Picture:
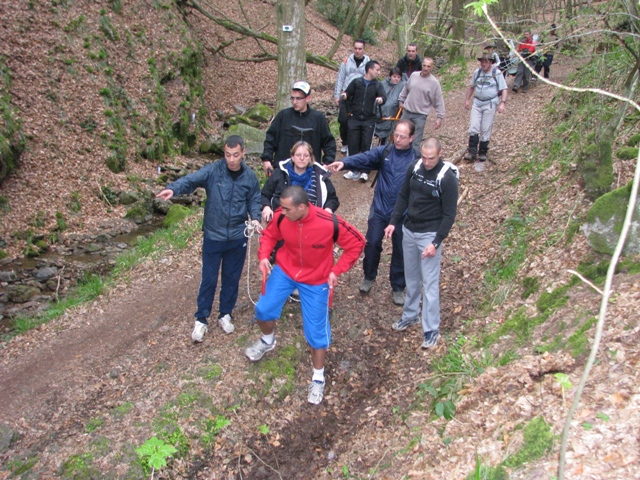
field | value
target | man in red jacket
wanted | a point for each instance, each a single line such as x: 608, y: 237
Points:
x: 305, y: 262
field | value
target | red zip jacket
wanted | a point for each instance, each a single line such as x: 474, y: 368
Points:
x: 307, y: 253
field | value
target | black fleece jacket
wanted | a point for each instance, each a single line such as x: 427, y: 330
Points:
x: 428, y: 210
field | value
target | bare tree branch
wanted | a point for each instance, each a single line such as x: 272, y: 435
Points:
x: 234, y: 26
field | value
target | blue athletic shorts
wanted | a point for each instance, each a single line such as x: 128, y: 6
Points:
x: 314, y: 300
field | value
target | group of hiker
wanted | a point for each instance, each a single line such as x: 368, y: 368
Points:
x: 414, y: 201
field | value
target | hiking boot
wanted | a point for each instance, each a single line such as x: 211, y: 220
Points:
x: 225, y: 323
x: 514, y: 89
x: 352, y: 175
x: 256, y: 351
x: 199, y: 331
x: 365, y: 285
x: 469, y: 157
x: 430, y: 339
x: 344, y: 149
x: 398, y: 297
x: 403, y: 324
x: 479, y: 167
x: 364, y: 177
x: 482, y: 157
x: 316, y: 392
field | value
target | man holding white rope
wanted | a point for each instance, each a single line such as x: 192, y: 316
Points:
x: 305, y: 262
x: 233, y: 195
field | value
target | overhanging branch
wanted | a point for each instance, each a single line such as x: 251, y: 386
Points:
x: 241, y: 29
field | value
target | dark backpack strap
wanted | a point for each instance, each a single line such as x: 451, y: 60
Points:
x: 385, y: 152
x: 336, y: 227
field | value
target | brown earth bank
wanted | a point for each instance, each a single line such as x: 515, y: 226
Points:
x: 82, y: 392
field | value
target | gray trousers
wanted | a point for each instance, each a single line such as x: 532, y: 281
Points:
x: 523, y: 75
x: 419, y: 120
x: 482, y: 118
x: 422, y: 276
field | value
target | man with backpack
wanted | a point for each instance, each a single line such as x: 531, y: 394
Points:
x: 305, y: 262
x: 489, y: 91
x: 391, y: 161
x: 429, y: 196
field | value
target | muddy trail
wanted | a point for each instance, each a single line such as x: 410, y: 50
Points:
x: 80, y: 393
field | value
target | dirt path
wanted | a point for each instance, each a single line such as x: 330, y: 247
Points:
x: 132, y: 349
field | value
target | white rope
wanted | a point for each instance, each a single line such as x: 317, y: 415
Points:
x: 249, y: 231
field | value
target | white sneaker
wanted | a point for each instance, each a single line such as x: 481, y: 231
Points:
x: 198, y: 331
x: 344, y: 149
x: 352, y: 175
x: 479, y: 167
x: 225, y: 323
x: 316, y: 392
x: 258, y: 349
x: 363, y: 177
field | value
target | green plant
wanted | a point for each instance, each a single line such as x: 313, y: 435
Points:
x: 4, y: 204
x: 123, y: 409
x: 79, y: 466
x: 109, y: 194
x: 530, y: 285
x: 154, y: 453
x: 212, y: 426
x: 74, y: 202
x: 18, y: 467
x: 93, y: 424
x: 61, y: 223
x: 106, y: 27
x: 564, y: 382
x: 627, y: 153
x: 483, y: 471
x: 264, y: 429
x: 538, y: 441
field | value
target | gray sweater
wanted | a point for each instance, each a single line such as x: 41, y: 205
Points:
x: 421, y: 94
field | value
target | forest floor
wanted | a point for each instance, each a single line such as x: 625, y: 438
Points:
x: 83, y: 391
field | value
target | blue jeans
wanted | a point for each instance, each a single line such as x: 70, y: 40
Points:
x: 373, y: 248
x: 231, y: 256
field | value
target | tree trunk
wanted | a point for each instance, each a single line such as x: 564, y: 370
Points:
x: 362, y: 20
x: 345, y: 25
x: 457, y: 14
x: 292, y: 61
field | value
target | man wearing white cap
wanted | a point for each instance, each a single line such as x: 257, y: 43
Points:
x: 281, y: 135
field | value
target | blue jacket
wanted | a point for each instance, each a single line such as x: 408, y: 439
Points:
x: 391, y: 174
x: 228, y: 202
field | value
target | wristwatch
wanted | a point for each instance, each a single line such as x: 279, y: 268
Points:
x: 435, y: 244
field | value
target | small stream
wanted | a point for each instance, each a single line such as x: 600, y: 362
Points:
x: 28, y: 285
